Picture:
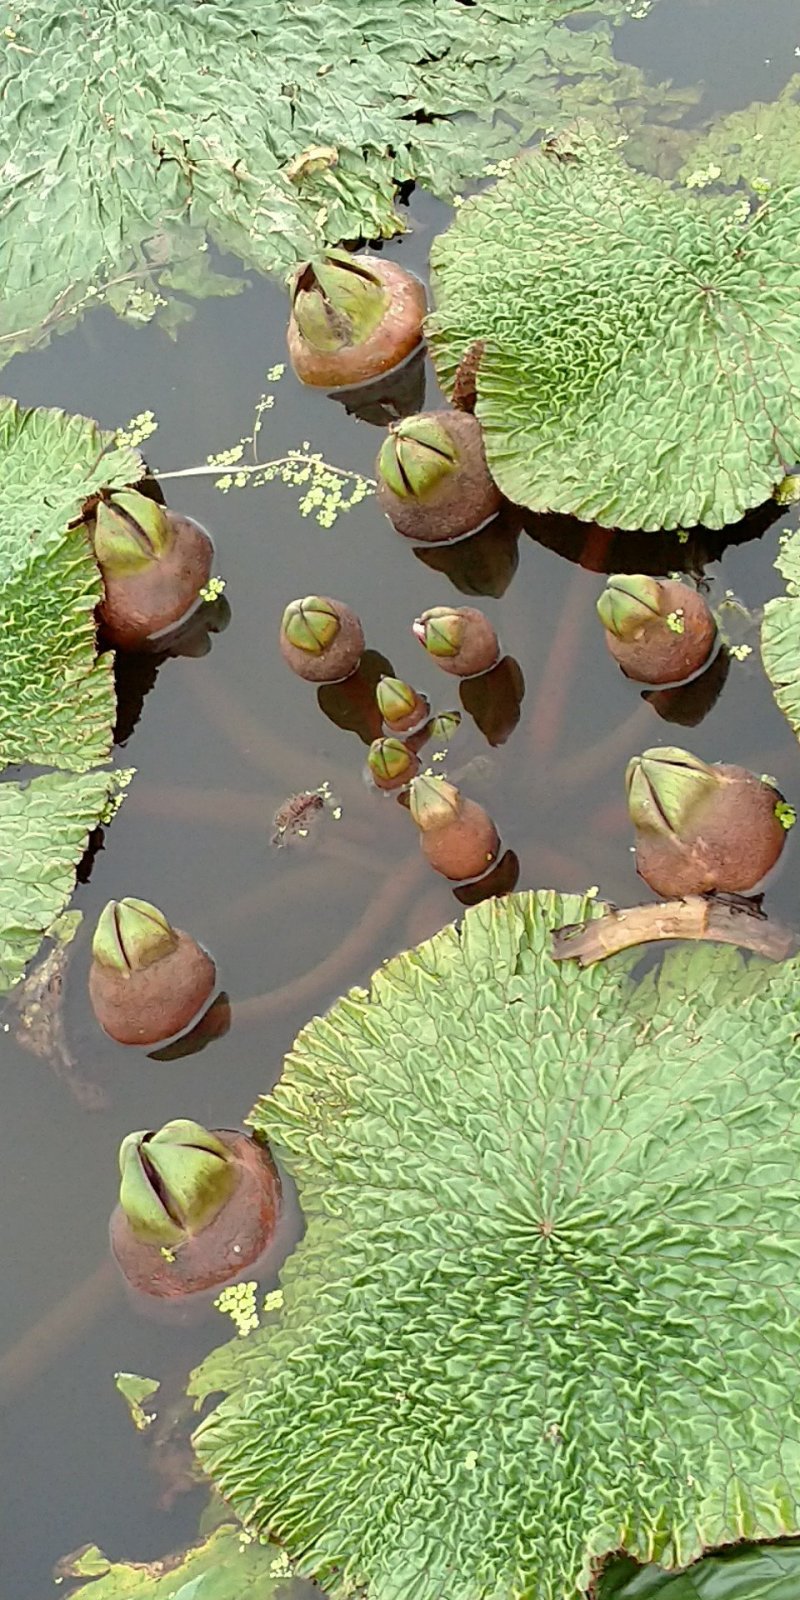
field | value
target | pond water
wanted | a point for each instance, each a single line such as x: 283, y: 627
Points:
x: 220, y: 741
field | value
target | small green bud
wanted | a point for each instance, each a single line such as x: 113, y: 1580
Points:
x: 311, y: 624
x: 433, y: 802
x: 664, y: 785
x: 396, y: 699
x: 131, y: 934
x: 173, y: 1182
x: 440, y: 630
x: 389, y: 760
x: 627, y: 602
x: 787, y: 492
x: 337, y: 301
x: 415, y: 456
x: 130, y: 531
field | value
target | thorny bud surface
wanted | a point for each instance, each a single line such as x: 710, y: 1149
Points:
x: 131, y: 934
x: 337, y: 301
x: 415, y: 456
x: 440, y: 630
x: 130, y: 531
x: 310, y: 624
x: 389, y: 760
x: 433, y: 802
x: 664, y: 785
x: 174, y: 1181
x: 628, y: 602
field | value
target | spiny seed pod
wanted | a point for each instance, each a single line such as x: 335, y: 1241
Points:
x: 352, y: 318
x: 460, y: 639
x: 403, y: 709
x: 147, y: 981
x: 195, y: 1207
x: 391, y: 763
x: 321, y: 639
x: 153, y: 563
x: 433, y: 481
x: 457, y: 836
x: 660, y: 631
x: 702, y: 828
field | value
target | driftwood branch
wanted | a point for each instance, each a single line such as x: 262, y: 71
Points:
x: 727, y: 922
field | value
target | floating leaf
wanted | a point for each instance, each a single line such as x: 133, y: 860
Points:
x: 135, y: 1390
x: 57, y: 700
x: 759, y: 146
x: 105, y: 150
x: 44, y: 827
x: 547, y: 1304
x: 780, y: 632
x: 642, y: 347
x: 225, y: 1566
x: 771, y: 1572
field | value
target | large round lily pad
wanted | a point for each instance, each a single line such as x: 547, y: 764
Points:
x: 641, y: 365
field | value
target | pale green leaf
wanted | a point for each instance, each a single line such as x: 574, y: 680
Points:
x: 223, y: 1567
x: 122, y: 124
x: 57, y: 701
x: 44, y: 827
x: 759, y: 146
x: 642, y: 346
x: 771, y: 1572
x: 547, y: 1305
x: 780, y: 632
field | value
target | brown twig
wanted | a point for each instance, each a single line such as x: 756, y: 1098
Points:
x: 346, y: 959
x: 693, y: 918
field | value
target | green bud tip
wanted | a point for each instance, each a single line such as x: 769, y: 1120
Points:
x: 173, y: 1182
x: 664, y: 785
x: 440, y: 630
x: 433, y: 802
x: 337, y: 300
x: 389, y: 759
x: 130, y: 531
x: 131, y: 934
x: 416, y: 455
x: 627, y: 602
x: 396, y: 700
x: 311, y: 624
x: 787, y: 492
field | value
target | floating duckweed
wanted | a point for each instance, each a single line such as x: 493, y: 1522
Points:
x: 786, y: 814
x: 140, y: 427
x: 675, y: 621
x: 238, y: 1301
x: 273, y: 1301
x: 213, y: 589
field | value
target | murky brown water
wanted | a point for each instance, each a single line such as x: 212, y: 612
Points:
x: 220, y: 742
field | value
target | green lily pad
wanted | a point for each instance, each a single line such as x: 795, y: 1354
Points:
x: 547, y: 1307
x: 226, y: 1566
x: 44, y: 826
x: 273, y: 130
x: 759, y: 146
x: 642, y: 342
x: 57, y: 702
x: 769, y: 1572
x: 780, y: 632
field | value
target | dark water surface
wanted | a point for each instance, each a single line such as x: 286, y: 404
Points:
x: 220, y: 743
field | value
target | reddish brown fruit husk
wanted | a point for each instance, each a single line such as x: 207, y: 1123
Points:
x: 478, y: 650
x: 141, y: 605
x: 465, y: 847
x: 729, y: 844
x: 238, y: 1234
x: 460, y: 502
x: 338, y: 659
x: 397, y: 335
x: 150, y: 1004
x: 657, y: 654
